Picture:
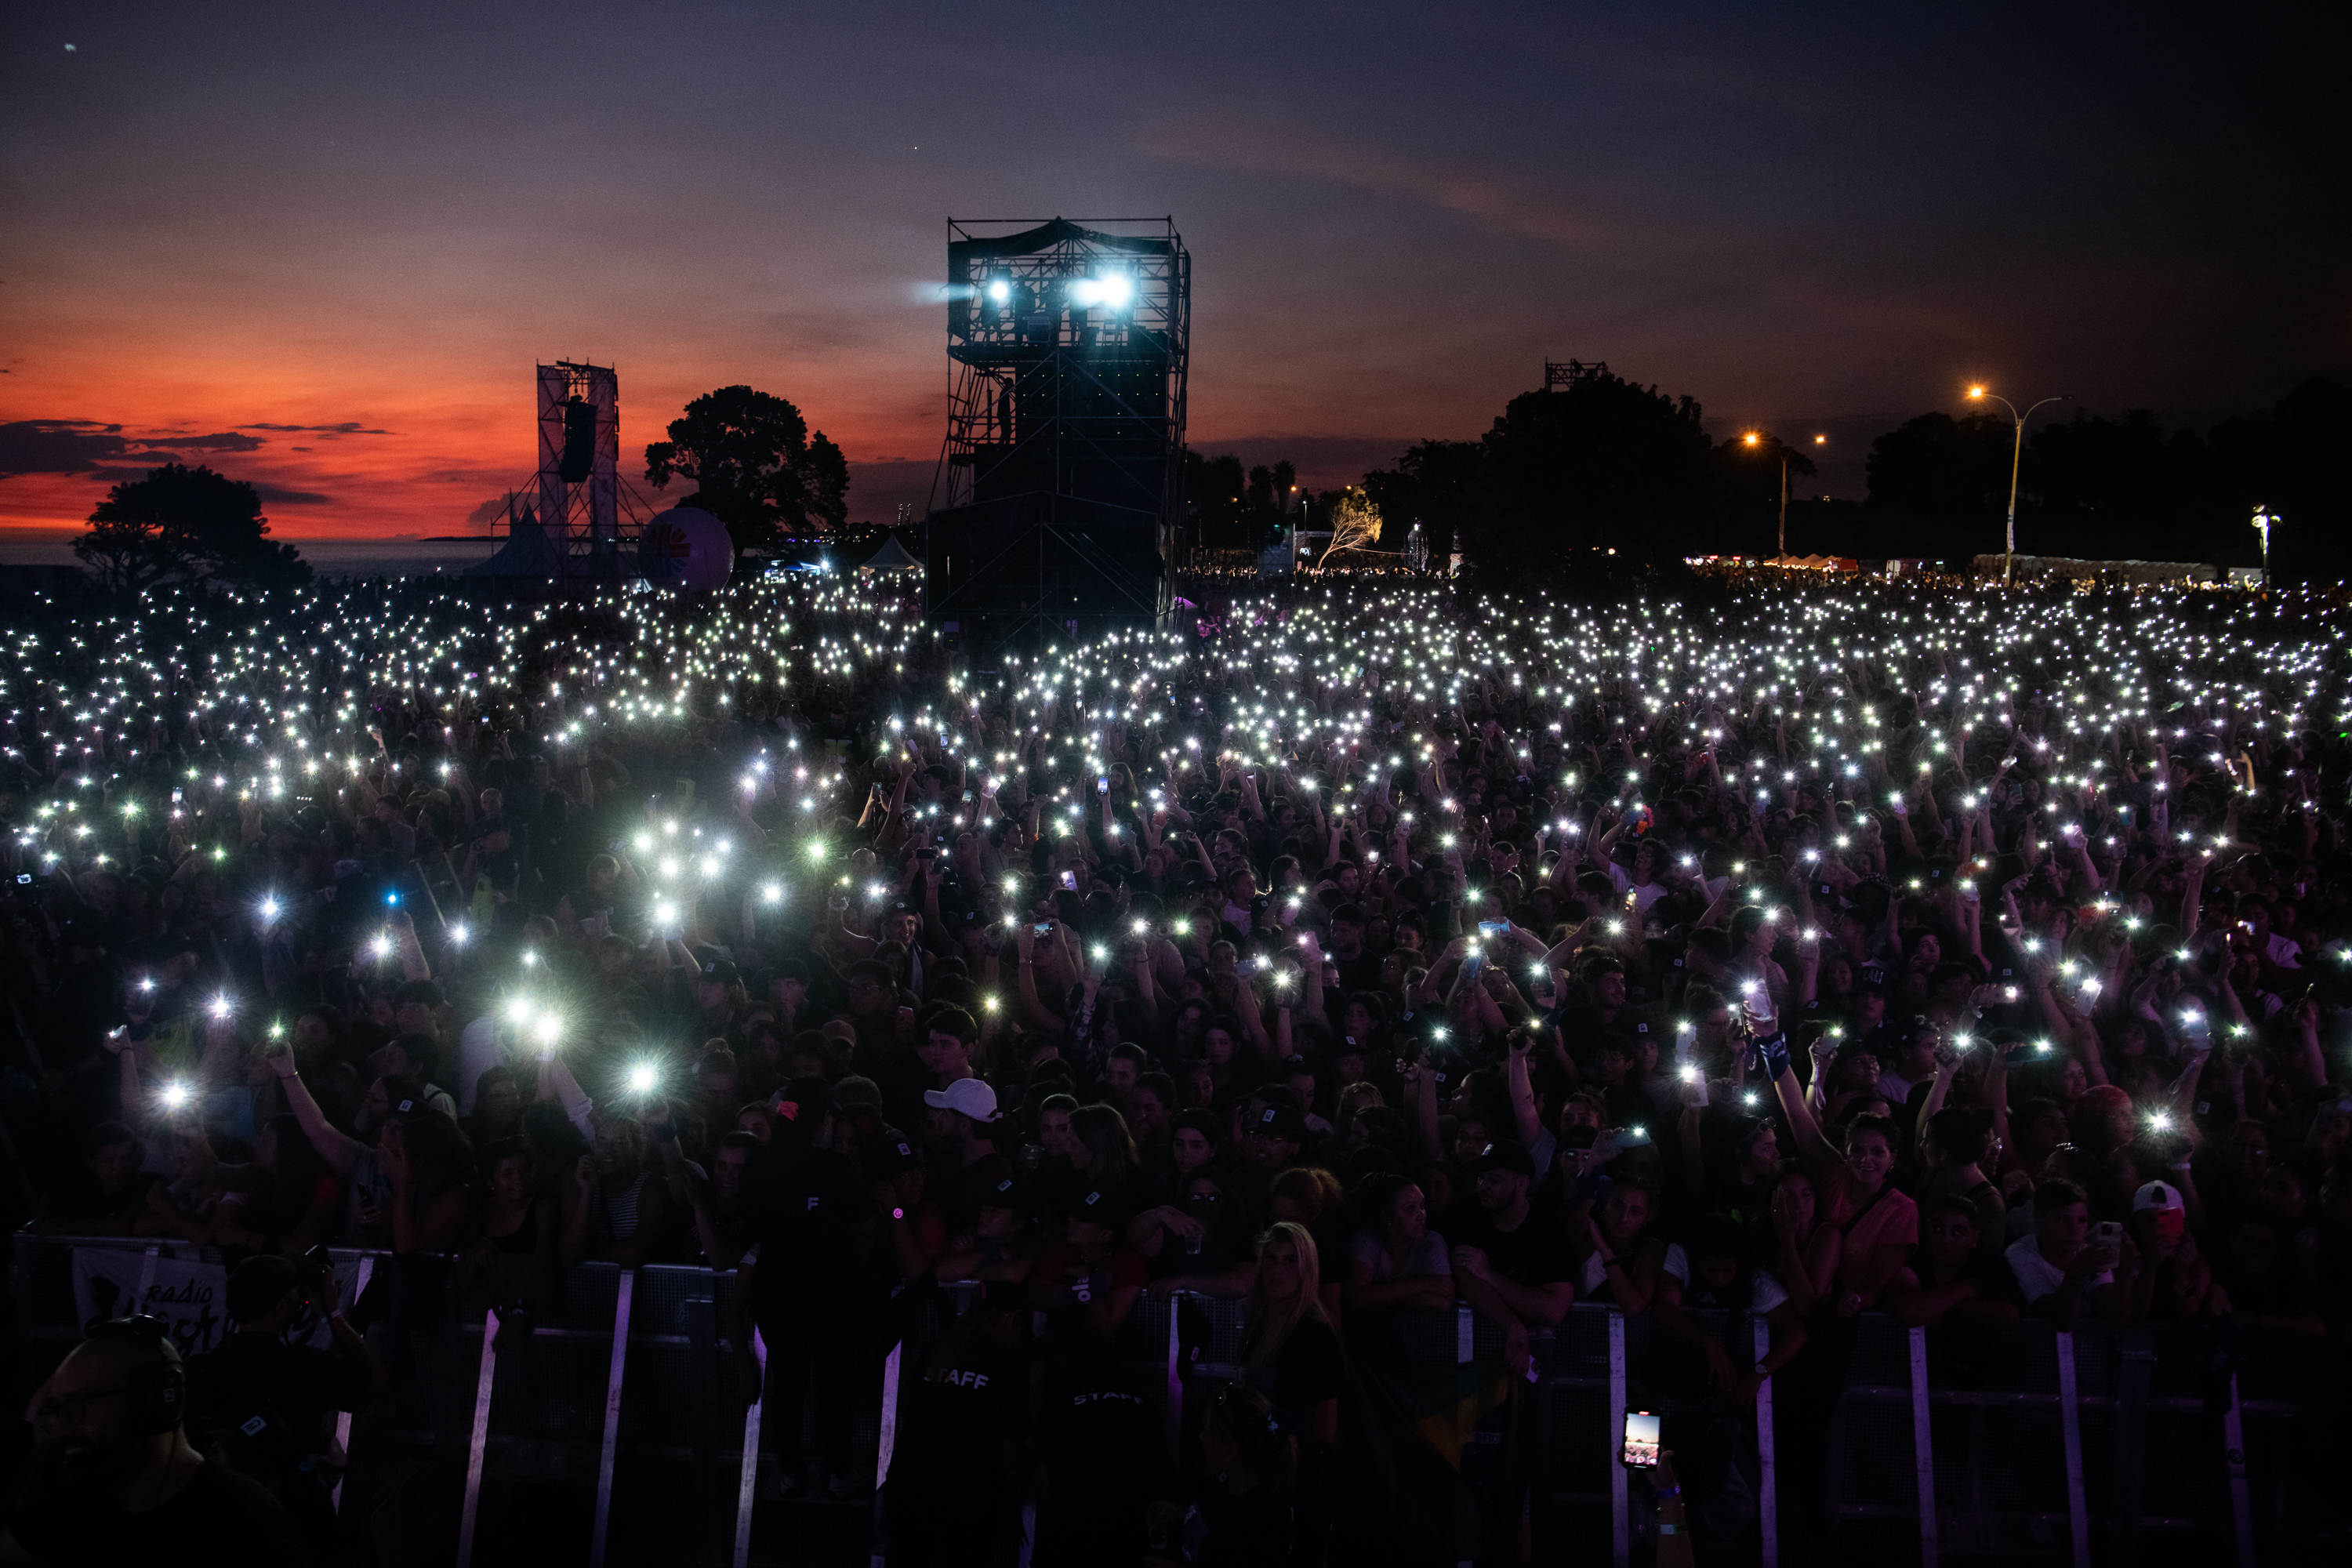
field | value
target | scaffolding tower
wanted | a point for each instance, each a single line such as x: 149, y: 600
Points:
x: 578, y: 526
x: 1056, y: 503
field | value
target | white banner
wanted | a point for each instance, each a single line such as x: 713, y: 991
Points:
x: 189, y: 1295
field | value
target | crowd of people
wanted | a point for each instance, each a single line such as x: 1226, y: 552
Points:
x: 1965, y: 957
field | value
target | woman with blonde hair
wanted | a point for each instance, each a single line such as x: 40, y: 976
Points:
x: 1290, y: 1353
x: 1311, y: 1196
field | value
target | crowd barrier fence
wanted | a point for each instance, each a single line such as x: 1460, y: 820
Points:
x: 1941, y: 1445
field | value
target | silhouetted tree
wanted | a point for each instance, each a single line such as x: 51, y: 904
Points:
x: 2296, y: 459
x: 1602, y: 464
x: 1747, y: 493
x: 2122, y: 489
x: 186, y: 524
x: 1272, y: 493
x: 1214, y: 501
x: 1939, y: 486
x: 1431, y: 485
x: 761, y: 470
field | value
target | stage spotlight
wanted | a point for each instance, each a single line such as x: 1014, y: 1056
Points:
x: 1000, y: 290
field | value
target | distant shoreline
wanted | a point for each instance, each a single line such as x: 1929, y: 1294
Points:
x: 380, y: 557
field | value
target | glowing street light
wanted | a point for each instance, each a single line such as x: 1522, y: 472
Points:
x: 2016, y: 456
x: 2263, y: 519
x: 1756, y: 438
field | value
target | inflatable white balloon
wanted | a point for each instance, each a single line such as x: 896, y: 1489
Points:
x: 686, y: 547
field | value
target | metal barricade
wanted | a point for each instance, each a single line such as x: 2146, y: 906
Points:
x: 1951, y: 1441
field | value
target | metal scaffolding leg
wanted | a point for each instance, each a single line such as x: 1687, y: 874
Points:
x: 1767, y: 1491
x: 343, y: 1419
x: 1465, y: 1346
x: 1619, y: 1505
x: 747, y: 1484
x: 2233, y: 1454
x: 1923, y: 1451
x: 2069, y: 1426
x: 887, y: 1443
x: 611, y: 1416
x: 1174, y: 1417
x: 481, y: 1439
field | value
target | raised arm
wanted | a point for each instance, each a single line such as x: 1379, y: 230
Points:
x: 1812, y: 1147
x: 337, y: 1148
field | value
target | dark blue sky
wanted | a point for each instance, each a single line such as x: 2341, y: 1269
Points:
x: 1810, y: 218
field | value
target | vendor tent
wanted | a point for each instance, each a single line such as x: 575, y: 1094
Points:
x: 891, y: 557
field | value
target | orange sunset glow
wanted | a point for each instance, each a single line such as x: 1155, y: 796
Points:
x: 322, y: 253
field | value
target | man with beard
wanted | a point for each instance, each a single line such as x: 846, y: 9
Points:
x: 115, y: 1479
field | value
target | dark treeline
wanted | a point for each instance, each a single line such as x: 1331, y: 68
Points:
x: 1608, y: 464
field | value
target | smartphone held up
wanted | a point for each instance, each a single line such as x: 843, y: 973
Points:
x: 1639, y: 1449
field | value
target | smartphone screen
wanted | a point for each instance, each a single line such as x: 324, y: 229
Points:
x: 1102, y: 784
x: 1641, y: 1448
x: 1492, y: 928
x: 1043, y: 928
x: 1070, y: 882
x: 2109, y: 1233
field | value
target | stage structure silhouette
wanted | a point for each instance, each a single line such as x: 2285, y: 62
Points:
x: 1056, y: 507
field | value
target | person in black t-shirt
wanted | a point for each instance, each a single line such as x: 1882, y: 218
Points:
x: 812, y: 1214
x: 1291, y: 1354
x: 1241, y: 1514
x: 266, y: 1402
x: 115, y: 1479
x: 111, y: 1199
x: 1101, y: 1461
x: 1950, y: 1274
x: 960, y: 1428
x: 1740, y: 1187
x: 1515, y: 1272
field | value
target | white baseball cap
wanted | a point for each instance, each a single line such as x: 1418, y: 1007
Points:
x: 970, y: 1096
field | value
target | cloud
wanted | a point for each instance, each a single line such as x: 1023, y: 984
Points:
x: 348, y: 427
x: 278, y: 495
x: 488, y: 512
x: 226, y: 441
x: 1511, y: 206
x: 85, y: 446
x: 57, y: 445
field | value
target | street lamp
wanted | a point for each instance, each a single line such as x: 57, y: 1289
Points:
x: 2008, y: 560
x: 2263, y: 519
x: 1755, y: 440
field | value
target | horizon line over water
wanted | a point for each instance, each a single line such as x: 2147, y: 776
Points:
x: 327, y: 557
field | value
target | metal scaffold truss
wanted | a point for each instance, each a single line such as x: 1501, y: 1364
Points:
x: 1059, y: 481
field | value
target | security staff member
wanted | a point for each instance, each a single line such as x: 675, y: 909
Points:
x: 114, y: 1478
x: 812, y: 1214
x: 265, y: 1402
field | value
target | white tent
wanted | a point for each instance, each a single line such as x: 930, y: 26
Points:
x: 528, y: 553
x: 891, y: 557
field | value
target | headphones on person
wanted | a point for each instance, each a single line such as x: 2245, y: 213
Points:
x: 157, y: 1389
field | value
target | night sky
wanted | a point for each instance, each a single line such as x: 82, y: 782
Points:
x: 320, y: 247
